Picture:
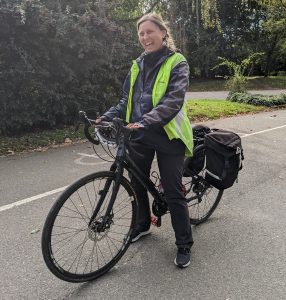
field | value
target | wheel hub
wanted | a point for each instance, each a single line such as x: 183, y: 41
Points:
x: 99, y: 228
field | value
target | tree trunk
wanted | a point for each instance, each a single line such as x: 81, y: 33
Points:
x: 198, y: 3
x: 269, y: 56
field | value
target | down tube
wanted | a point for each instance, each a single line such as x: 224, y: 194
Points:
x: 131, y: 167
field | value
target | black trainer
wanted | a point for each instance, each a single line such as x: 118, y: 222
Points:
x: 136, y: 235
x: 183, y: 257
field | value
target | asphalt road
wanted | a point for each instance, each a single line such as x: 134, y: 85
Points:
x: 240, y: 253
x: 223, y: 94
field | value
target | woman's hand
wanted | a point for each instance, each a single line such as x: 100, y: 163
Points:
x: 135, y: 125
x: 98, y: 120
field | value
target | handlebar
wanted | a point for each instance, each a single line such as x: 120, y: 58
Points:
x: 117, y: 125
x: 87, y: 124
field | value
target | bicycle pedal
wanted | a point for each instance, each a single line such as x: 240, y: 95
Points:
x: 156, y: 221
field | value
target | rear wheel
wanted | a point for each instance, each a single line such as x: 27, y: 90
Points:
x: 202, y: 198
x: 76, y: 248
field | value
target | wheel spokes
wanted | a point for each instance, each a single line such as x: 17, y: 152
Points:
x: 74, y: 248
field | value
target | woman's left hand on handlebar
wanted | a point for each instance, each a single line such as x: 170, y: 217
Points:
x: 135, y: 125
x: 98, y: 120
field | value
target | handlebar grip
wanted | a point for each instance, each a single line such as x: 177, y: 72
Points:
x: 83, y: 117
x: 89, y: 137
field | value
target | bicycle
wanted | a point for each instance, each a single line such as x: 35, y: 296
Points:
x: 89, y: 226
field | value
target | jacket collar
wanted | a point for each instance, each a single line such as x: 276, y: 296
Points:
x: 155, y: 58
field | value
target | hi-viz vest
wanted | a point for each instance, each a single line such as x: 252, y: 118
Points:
x: 179, y: 127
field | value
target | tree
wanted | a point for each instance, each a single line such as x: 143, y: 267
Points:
x: 274, y: 34
x: 237, y: 81
x: 195, y: 23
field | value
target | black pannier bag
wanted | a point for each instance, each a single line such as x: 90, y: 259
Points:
x: 194, y: 165
x: 199, y: 131
x: 224, y: 155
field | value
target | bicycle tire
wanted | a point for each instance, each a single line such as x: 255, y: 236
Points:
x: 67, y: 225
x: 202, y: 198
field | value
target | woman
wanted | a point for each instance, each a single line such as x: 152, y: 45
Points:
x: 153, y: 98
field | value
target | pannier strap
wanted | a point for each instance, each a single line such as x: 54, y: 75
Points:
x: 213, y: 175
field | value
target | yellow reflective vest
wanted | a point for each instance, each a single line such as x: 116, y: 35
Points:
x: 179, y: 127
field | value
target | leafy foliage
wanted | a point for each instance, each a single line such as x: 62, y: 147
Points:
x: 263, y: 100
x: 237, y: 82
x: 274, y: 35
x: 57, y: 57
x: 56, y: 60
x: 207, y: 29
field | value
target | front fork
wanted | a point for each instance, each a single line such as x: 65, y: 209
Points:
x: 105, y: 219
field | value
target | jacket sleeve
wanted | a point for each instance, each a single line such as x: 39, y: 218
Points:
x: 120, y: 109
x: 173, y: 100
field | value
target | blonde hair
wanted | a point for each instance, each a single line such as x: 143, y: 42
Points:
x: 157, y: 19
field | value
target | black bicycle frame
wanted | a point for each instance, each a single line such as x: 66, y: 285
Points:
x: 123, y: 161
x: 145, y: 181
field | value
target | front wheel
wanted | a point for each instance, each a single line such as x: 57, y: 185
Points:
x: 80, y: 243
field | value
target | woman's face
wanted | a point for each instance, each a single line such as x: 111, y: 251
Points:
x: 150, y: 36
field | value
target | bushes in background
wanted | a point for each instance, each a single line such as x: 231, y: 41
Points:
x: 56, y: 60
x: 274, y: 100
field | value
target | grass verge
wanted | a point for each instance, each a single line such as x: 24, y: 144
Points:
x: 199, y: 110
x: 39, y: 141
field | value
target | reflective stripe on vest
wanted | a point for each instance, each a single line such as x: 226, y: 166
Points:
x: 179, y: 127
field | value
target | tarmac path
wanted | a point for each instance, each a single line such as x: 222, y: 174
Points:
x: 223, y: 94
x: 240, y: 253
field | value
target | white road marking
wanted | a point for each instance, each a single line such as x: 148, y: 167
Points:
x: 262, y: 131
x: 30, y: 199
x: 88, y: 155
x: 83, y: 156
x: 79, y: 161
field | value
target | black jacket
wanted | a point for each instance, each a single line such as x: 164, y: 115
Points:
x: 155, y: 118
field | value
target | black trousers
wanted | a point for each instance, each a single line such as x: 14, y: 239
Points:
x: 170, y: 167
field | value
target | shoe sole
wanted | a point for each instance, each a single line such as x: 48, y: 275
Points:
x: 182, y: 266
x: 140, y: 236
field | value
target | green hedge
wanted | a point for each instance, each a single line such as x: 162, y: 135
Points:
x: 274, y: 100
x: 54, y: 62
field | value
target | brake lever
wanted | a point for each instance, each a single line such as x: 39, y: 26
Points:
x: 83, y: 117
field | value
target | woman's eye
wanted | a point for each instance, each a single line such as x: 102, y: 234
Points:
x: 146, y: 32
